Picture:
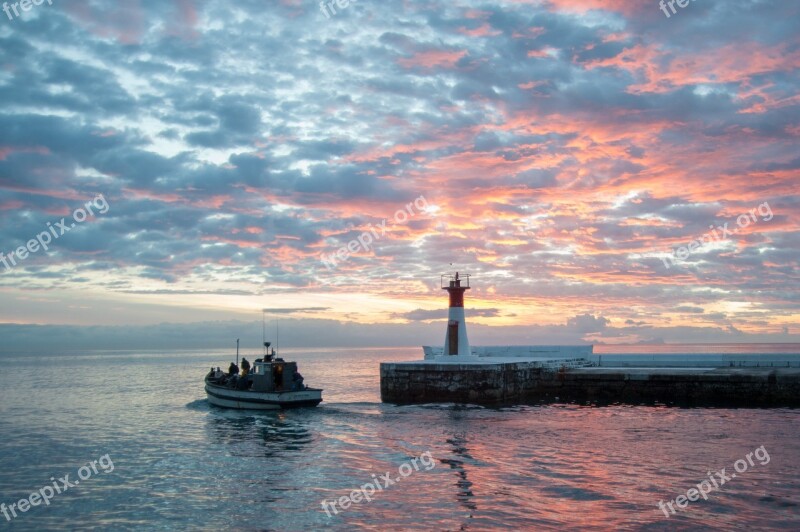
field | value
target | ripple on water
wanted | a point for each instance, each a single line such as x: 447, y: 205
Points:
x: 182, y: 464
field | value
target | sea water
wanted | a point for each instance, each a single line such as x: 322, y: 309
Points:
x: 142, y: 449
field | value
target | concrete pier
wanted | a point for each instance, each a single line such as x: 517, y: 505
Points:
x: 516, y: 351
x: 460, y: 373
x: 703, y: 380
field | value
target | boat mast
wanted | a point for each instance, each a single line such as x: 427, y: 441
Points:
x: 237, y: 351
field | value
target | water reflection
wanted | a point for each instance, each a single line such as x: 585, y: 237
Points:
x: 266, y: 434
x: 464, y: 493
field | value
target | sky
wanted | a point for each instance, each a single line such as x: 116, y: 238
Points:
x: 606, y: 171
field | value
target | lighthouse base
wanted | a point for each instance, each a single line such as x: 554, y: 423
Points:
x: 467, y: 380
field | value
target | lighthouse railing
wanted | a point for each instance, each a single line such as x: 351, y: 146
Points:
x: 449, y: 280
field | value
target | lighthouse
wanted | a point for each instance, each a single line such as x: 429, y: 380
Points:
x: 455, y: 341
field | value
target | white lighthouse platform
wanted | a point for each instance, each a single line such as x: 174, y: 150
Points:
x: 515, y: 352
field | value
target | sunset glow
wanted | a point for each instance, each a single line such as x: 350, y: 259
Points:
x: 564, y: 148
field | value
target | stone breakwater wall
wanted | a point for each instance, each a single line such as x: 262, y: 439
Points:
x: 514, y: 382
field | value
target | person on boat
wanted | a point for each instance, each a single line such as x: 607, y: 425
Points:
x: 233, y: 369
x: 298, y: 381
x: 245, y: 367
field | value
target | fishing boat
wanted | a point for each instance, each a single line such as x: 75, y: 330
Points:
x: 272, y: 383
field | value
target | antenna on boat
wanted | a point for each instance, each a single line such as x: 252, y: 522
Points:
x: 264, y: 329
x: 264, y: 335
x: 237, y: 351
x: 277, y: 336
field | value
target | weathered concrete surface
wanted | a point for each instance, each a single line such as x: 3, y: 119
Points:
x: 479, y: 383
x: 509, y: 382
x: 687, y: 386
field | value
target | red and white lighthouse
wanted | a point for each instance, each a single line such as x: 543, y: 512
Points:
x: 455, y: 341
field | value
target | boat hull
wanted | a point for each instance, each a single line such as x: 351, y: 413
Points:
x: 245, y: 400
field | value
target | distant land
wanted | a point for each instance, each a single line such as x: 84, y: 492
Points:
x: 333, y: 333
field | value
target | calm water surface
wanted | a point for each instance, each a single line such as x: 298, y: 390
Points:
x: 180, y: 464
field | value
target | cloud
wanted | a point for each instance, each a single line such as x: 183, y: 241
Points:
x: 564, y: 147
x: 441, y: 314
x: 295, y: 310
x: 586, y: 323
